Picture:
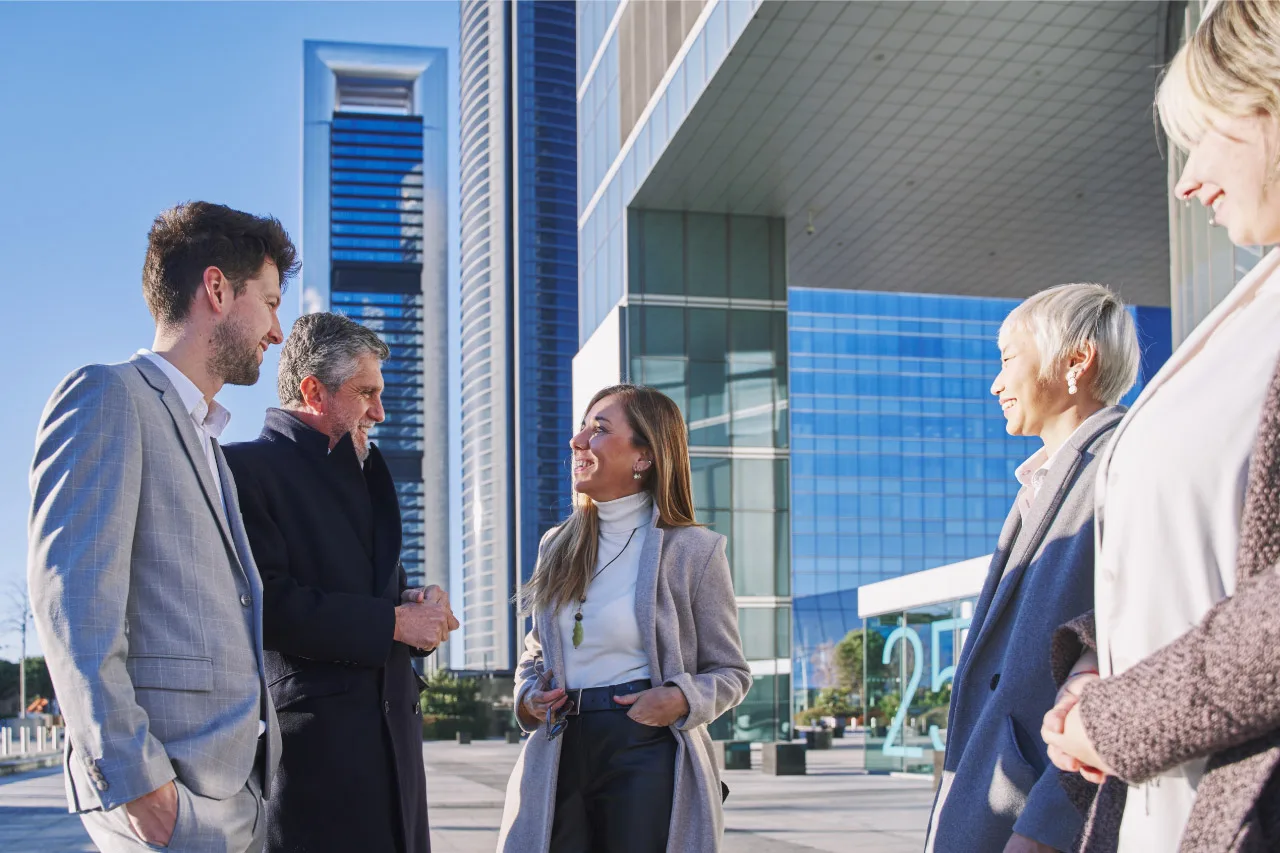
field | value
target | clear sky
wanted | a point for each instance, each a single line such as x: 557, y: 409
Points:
x: 111, y: 112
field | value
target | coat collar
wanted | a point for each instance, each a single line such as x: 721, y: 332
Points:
x: 1015, y: 551
x: 360, y: 488
x: 282, y: 424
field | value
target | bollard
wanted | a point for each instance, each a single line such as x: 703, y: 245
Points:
x: 6, y: 738
x: 22, y: 740
x: 40, y: 739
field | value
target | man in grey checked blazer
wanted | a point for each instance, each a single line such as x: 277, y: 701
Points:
x: 146, y: 596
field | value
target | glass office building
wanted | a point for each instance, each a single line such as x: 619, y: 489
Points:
x: 911, y: 171
x: 900, y: 458
x: 373, y: 247
x: 519, y: 304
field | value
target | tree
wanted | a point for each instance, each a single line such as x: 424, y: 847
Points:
x: 848, y: 660
x: 16, y: 616
x: 450, y: 704
x: 37, y: 679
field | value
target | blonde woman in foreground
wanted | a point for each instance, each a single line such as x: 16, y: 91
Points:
x: 634, y: 650
x: 1181, y: 722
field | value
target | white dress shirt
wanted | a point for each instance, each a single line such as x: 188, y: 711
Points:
x: 612, y: 650
x: 209, y: 419
x: 1170, y: 496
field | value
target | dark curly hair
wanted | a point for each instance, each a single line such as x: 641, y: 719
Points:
x: 188, y: 239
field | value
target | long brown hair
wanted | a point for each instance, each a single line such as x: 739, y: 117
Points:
x: 569, y: 556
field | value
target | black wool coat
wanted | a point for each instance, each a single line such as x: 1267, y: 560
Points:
x: 325, y: 532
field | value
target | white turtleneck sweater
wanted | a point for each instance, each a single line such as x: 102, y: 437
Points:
x: 612, y: 651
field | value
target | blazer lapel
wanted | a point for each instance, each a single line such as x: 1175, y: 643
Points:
x: 1037, y: 525
x: 190, y: 443
x: 239, y: 535
x: 647, y: 594
x: 1000, y: 559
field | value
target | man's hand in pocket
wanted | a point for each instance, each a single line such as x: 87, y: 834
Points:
x: 153, y: 816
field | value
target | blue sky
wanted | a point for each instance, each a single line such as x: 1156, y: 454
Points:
x: 111, y: 112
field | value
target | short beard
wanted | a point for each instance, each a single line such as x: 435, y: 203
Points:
x: 232, y: 360
x: 362, y: 451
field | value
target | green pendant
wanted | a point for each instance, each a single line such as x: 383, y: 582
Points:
x: 577, y: 634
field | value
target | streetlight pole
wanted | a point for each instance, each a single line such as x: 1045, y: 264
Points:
x: 22, y: 661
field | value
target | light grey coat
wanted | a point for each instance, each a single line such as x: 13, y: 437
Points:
x: 688, y: 617
x: 145, y: 595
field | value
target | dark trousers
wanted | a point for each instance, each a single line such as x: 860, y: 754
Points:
x: 617, y: 779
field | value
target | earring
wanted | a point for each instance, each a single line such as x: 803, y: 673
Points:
x: 1071, y: 381
x: 636, y: 475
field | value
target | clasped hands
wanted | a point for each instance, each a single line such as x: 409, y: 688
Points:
x: 424, y: 618
x: 1070, y: 748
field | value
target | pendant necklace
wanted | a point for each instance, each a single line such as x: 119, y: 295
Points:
x: 582, y: 599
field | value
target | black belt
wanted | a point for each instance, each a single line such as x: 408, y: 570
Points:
x: 585, y: 700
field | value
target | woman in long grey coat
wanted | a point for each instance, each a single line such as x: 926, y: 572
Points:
x: 634, y: 650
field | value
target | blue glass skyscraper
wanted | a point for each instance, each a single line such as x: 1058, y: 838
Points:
x: 373, y: 247
x: 900, y: 459
x: 519, y: 303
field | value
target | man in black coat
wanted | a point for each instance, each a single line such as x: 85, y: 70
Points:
x: 339, y: 624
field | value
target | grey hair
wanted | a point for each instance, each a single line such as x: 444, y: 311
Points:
x: 328, y: 347
x: 1063, y: 319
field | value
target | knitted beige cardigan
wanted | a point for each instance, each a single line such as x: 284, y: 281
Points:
x: 1212, y: 693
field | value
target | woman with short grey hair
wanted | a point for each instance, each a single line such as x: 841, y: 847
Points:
x: 1067, y: 355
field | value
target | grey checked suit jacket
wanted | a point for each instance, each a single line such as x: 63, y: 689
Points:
x: 146, y: 597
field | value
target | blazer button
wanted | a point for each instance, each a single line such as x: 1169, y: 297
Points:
x: 246, y: 600
x: 101, y: 784
x: 995, y: 679
x: 386, y: 707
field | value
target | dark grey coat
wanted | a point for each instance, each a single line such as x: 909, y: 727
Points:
x: 997, y: 779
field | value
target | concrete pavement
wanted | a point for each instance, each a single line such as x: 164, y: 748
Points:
x: 837, y: 807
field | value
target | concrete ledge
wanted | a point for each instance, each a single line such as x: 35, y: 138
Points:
x: 24, y: 763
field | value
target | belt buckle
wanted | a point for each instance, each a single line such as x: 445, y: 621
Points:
x: 575, y: 702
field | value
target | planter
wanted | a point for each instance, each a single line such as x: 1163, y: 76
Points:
x: 464, y: 737
x: 782, y: 759
x: 513, y: 737
x: 732, y: 754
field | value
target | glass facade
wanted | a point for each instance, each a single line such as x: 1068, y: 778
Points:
x: 486, y: 404
x: 547, y: 269
x: 911, y: 658
x: 900, y: 463
x: 375, y: 263
x: 706, y: 325
x: 612, y: 165
x: 519, y: 303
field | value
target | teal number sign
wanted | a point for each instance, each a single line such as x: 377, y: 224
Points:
x: 940, y: 676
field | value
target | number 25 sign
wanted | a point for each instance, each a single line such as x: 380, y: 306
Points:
x: 940, y: 677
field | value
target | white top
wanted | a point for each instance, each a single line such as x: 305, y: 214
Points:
x: 209, y: 419
x: 612, y: 651
x: 1032, y: 473
x: 1170, y: 494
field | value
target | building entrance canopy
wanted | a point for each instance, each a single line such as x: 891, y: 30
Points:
x: 987, y: 149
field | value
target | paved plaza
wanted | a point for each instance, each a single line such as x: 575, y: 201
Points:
x: 836, y: 807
